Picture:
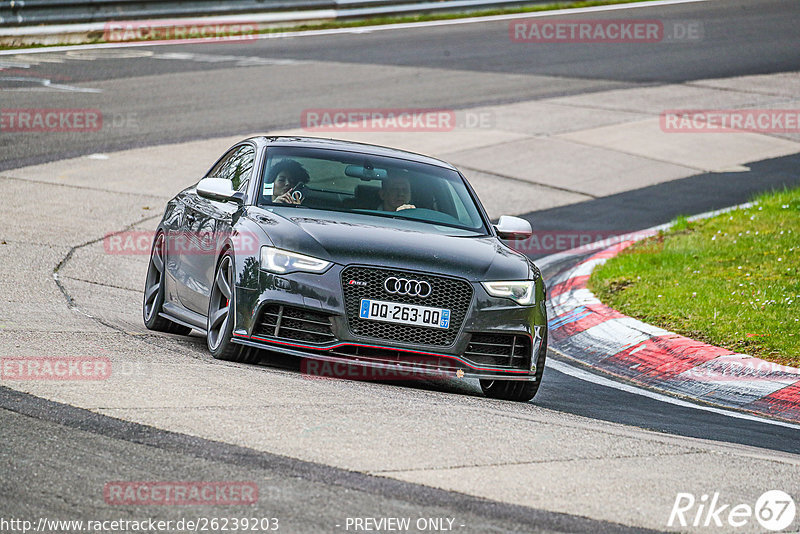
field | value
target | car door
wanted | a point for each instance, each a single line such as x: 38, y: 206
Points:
x: 207, y: 223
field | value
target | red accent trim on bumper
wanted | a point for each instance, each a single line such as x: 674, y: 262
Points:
x: 348, y: 344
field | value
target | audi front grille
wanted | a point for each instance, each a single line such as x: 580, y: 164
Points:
x: 369, y: 283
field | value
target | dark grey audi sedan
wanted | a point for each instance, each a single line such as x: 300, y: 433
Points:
x: 351, y: 255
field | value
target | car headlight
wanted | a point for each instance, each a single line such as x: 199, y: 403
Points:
x: 521, y: 292
x: 280, y: 261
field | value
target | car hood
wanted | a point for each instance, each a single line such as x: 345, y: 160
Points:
x: 346, y: 238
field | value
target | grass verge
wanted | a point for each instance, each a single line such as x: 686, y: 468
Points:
x: 731, y: 280
x: 378, y: 21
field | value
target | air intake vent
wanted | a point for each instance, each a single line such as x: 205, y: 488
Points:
x: 499, y: 350
x: 296, y: 324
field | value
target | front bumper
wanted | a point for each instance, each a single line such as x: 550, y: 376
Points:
x: 319, y: 298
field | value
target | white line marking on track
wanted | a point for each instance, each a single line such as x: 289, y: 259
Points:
x: 586, y: 376
x: 369, y: 29
x: 637, y: 349
x: 43, y: 84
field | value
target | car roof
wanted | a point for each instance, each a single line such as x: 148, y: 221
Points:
x: 351, y: 146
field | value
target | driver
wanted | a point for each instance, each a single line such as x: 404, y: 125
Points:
x: 285, y: 175
x: 395, y: 194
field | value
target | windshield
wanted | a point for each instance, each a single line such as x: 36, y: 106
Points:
x: 370, y: 185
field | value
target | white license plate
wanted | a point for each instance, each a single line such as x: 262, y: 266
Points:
x: 395, y: 312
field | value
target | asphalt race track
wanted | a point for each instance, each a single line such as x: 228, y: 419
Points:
x: 461, y: 66
x: 582, y: 457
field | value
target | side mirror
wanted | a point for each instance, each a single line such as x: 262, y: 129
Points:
x: 513, y: 228
x: 220, y: 190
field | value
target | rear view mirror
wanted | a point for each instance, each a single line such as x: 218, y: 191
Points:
x: 513, y: 228
x: 365, y: 173
x: 219, y: 189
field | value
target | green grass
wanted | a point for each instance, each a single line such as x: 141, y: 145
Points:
x: 375, y: 21
x: 732, y: 280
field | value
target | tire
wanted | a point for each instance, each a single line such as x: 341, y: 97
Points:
x: 221, y: 307
x: 154, y: 293
x: 517, y: 390
x: 513, y: 390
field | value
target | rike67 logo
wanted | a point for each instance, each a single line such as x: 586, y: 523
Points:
x: 774, y: 510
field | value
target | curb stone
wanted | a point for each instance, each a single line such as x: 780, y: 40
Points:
x: 594, y: 334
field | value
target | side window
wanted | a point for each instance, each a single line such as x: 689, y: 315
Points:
x: 221, y: 168
x: 242, y: 167
x: 237, y: 167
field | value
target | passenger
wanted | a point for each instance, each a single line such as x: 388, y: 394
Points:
x: 285, y: 175
x: 395, y: 194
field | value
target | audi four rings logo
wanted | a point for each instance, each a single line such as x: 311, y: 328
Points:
x: 411, y: 288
